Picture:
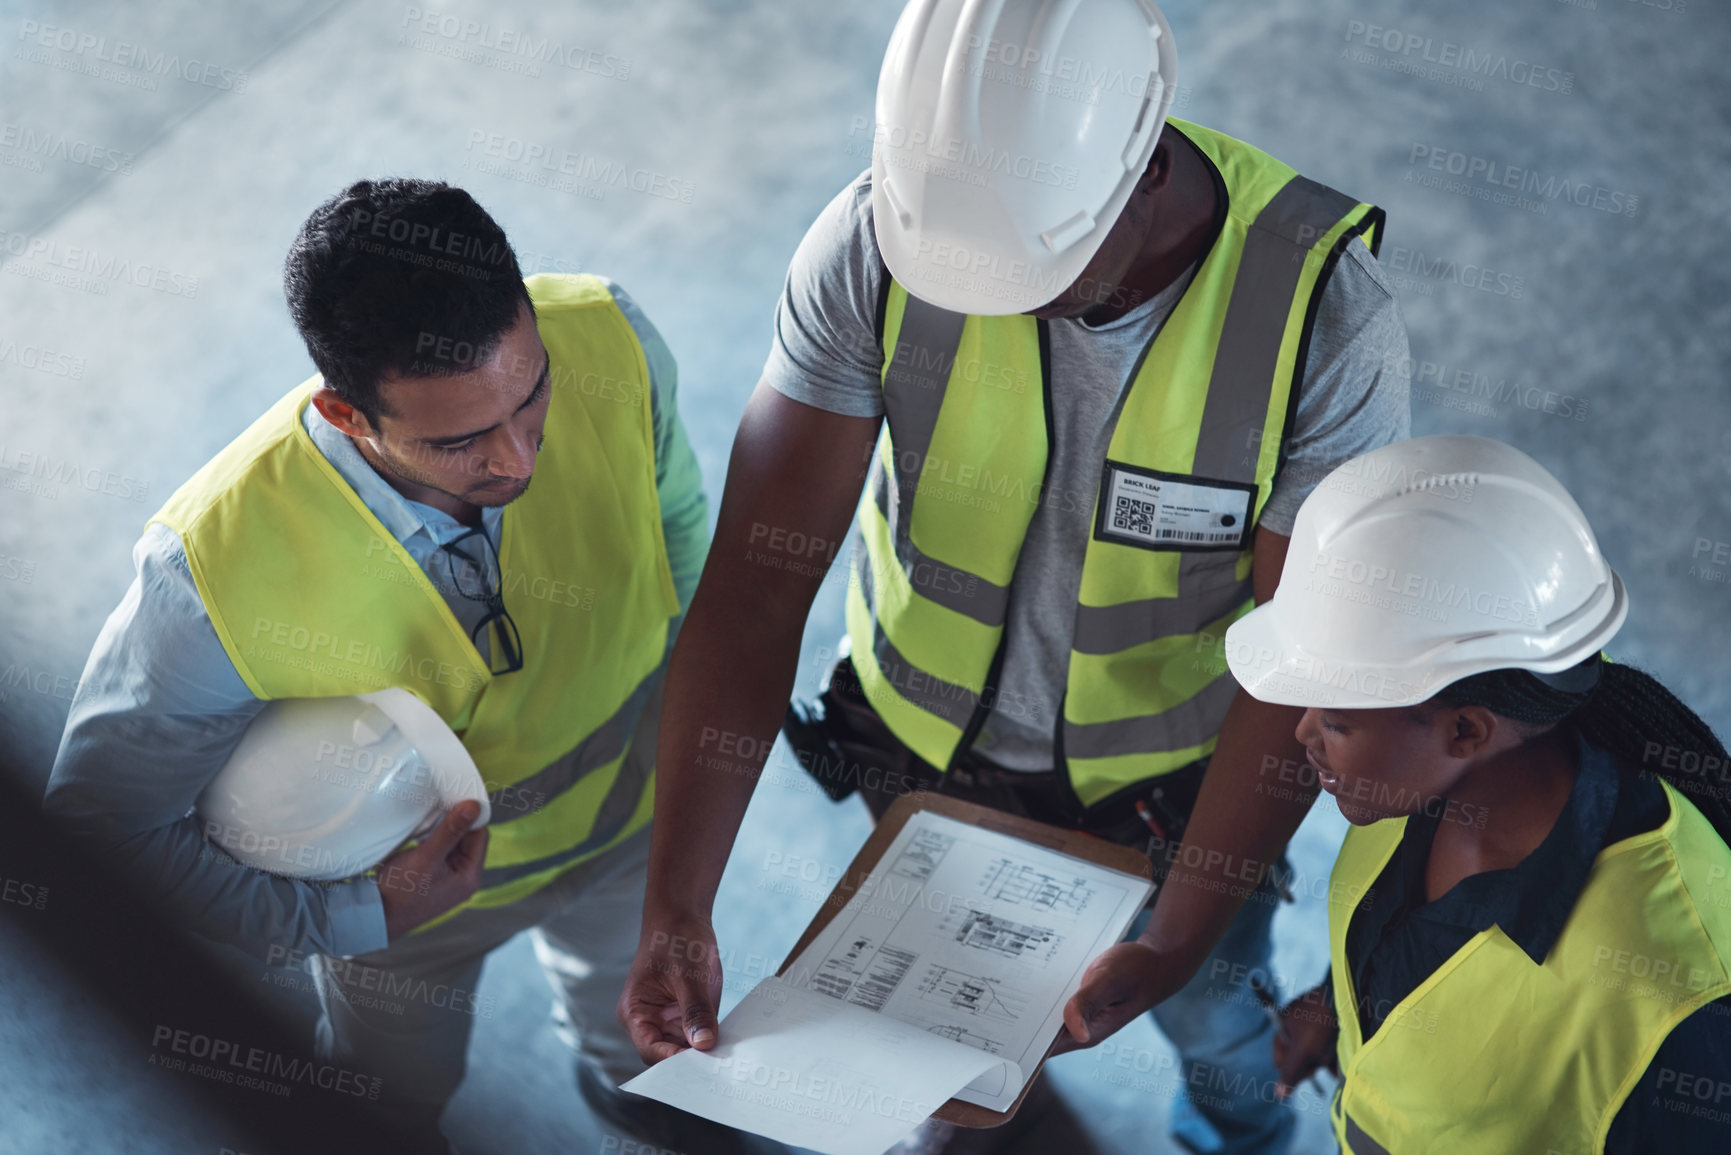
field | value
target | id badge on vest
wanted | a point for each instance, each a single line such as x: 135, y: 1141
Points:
x: 1171, y: 511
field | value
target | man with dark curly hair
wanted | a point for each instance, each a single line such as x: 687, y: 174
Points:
x: 485, y: 496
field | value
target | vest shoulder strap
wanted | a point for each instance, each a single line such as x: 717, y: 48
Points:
x: 1703, y: 860
x: 194, y: 498
x: 559, y: 291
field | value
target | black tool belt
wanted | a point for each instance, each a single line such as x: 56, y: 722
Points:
x: 846, y: 747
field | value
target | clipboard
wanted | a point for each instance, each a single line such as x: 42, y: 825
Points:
x: 1071, y: 842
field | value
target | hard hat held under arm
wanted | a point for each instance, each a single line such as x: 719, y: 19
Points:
x: 324, y: 788
x: 158, y: 711
x: 1422, y: 563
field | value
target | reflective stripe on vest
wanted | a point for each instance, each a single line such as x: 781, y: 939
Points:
x: 961, y: 469
x: 1493, y: 1052
x: 312, y: 597
x: 1355, y: 1142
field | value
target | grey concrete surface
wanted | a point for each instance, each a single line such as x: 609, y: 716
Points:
x: 142, y: 326
x: 76, y: 1079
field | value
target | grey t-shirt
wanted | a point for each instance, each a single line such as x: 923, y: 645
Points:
x: 1353, y: 398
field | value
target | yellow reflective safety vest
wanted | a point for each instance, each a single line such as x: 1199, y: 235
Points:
x: 312, y: 597
x: 1495, y: 1053
x: 1196, y: 444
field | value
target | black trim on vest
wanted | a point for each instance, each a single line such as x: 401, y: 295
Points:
x: 1074, y: 810
x: 1222, y: 210
x: 1060, y: 761
x: 1222, y: 203
x: 1376, y: 219
x: 884, y: 283
x: 989, y: 692
x: 988, y: 697
x: 1373, y: 223
x: 1044, y: 329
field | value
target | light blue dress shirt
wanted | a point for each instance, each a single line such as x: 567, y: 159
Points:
x: 160, y: 705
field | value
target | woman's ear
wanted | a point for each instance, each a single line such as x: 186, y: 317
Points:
x: 1472, y: 729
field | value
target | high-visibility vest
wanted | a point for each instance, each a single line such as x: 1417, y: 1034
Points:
x: 312, y: 597
x: 1494, y: 1052
x: 961, y: 470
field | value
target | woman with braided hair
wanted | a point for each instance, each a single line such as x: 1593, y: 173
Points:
x: 1530, y: 918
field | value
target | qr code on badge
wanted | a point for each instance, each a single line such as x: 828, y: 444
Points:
x: 1133, y: 516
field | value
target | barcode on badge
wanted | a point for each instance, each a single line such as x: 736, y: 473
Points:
x: 1165, y: 512
x: 1198, y: 538
x: 1133, y: 516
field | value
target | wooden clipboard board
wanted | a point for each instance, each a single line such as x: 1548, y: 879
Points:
x: 1071, y: 842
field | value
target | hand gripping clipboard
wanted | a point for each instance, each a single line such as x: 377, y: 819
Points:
x: 1071, y: 842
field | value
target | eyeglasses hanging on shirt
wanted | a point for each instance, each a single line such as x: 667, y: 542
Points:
x: 468, y: 572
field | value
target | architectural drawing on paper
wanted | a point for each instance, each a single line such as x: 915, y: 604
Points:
x: 1001, y: 936
x: 922, y: 854
x: 865, y: 974
x: 982, y: 996
x: 974, y: 936
x: 1021, y: 884
x: 962, y: 1034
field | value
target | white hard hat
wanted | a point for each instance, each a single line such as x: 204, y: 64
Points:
x: 323, y: 788
x: 1422, y: 563
x: 1009, y: 135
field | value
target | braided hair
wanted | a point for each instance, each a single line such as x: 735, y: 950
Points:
x: 1620, y: 709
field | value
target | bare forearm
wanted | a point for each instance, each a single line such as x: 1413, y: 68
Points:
x: 727, y: 688
x: 794, y: 474
x: 1249, y: 806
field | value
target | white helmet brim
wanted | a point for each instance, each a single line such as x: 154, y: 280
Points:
x: 1421, y: 563
x: 1274, y: 666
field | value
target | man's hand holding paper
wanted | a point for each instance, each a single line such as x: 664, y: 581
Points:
x: 945, y: 975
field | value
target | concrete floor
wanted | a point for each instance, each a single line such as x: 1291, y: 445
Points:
x: 115, y: 391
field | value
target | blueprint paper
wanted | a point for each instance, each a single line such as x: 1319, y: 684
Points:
x: 973, y: 936
x: 814, y: 1072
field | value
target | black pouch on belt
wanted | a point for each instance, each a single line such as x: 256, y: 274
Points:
x: 809, y: 728
x: 842, y: 743
x: 1150, y: 815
